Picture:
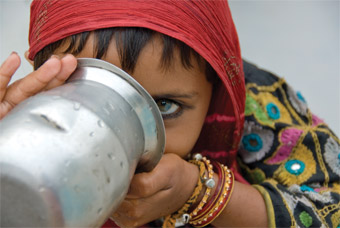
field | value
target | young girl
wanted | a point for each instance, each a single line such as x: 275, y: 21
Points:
x: 187, y: 56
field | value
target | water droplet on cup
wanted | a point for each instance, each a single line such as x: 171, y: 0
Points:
x: 106, y: 111
x: 111, y: 156
x: 96, y: 172
x: 91, y: 134
x: 76, y: 106
x: 100, y: 123
x: 99, y: 211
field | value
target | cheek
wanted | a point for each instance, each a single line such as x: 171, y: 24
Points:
x: 182, y: 136
x: 181, y: 141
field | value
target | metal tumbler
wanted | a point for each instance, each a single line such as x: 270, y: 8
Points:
x: 67, y: 155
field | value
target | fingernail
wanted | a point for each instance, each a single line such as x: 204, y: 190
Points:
x: 55, y: 56
x: 14, y: 53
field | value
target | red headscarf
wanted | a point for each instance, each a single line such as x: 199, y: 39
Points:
x: 204, y: 25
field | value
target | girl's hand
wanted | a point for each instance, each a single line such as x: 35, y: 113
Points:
x: 51, y: 74
x: 157, y: 193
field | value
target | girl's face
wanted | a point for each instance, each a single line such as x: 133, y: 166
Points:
x: 182, y: 95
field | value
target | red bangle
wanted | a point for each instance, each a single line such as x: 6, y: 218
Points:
x: 221, y: 178
x: 219, y: 200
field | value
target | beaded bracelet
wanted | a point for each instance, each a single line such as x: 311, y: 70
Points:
x: 209, y: 183
x: 219, y: 188
x: 213, y: 210
x: 171, y: 220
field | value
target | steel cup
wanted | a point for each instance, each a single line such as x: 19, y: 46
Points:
x: 67, y: 155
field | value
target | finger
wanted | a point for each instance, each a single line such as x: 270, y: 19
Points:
x: 27, y: 53
x: 134, y: 213
x: 33, y: 83
x: 147, y: 184
x: 68, y: 65
x: 7, y: 69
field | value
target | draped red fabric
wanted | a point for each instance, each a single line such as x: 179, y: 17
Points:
x: 204, y: 25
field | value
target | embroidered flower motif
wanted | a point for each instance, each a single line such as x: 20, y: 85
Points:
x: 273, y: 111
x: 300, y: 97
x: 298, y: 205
x: 288, y: 139
x: 306, y: 219
x: 252, y: 142
x: 267, y: 109
x: 298, y: 169
x: 312, y: 193
x: 306, y: 188
x: 332, y: 155
x: 256, y: 142
x: 316, y: 120
x: 295, y: 167
x: 253, y: 107
x: 297, y: 101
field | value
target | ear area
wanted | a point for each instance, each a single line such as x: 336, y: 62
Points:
x: 28, y: 60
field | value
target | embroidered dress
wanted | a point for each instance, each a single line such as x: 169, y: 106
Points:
x: 286, y: 152
x: 289, y: 154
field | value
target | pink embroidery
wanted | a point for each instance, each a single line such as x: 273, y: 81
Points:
x: 316, y: 120
x: 320, y: 189
x: 289, y: 138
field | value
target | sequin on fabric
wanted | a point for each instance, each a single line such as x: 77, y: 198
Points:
x: 298, y: 174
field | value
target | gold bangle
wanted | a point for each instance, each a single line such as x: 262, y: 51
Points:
x: 209, y: 183
x: 170, y: 220
x: 220, y: 203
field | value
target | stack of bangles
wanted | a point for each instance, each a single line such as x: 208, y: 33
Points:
x: 210, y: 207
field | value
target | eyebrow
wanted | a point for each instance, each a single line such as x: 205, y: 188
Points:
x: 190, y: 95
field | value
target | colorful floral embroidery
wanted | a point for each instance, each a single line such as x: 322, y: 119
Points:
x: 297, y: 101
x: 316, y: 120
x: 256, y: 142
x: 305, y: 188
x: 306, y: 219
x: 252, y: 142
x: 294, y: 171
x: 290, y: 154
x: 332, y: 155
x: 267, y: 109
x: 273, y: 111
x: 253, y: 107
x: 288, y: 138
x: 312, y: 193
x: 295, y: 167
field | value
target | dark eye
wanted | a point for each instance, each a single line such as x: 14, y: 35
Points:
x: 168, y: 108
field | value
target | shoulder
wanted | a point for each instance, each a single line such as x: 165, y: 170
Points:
x: 254, y: 74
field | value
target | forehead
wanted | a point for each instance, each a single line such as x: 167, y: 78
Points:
x: 150, y: 72
x: 175, y: 78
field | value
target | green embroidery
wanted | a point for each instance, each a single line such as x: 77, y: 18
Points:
x: 252, y: 106
x: 306, y: 219
x: 255, y: 176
